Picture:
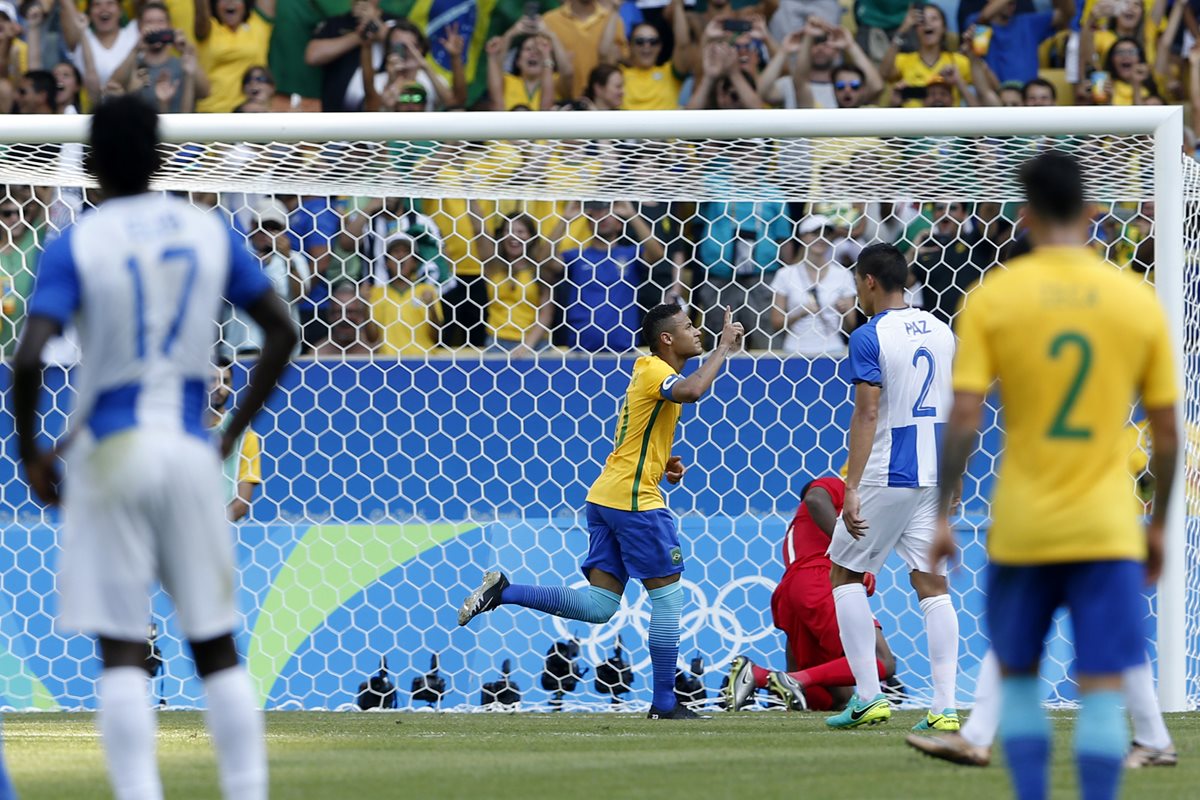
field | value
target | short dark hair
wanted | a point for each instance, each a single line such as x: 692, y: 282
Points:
x: 1039, y: 82
x: 599, y: 76
x: 256, y: 69
x: 886, y: 264
x: 862, y: 76
x: 656, y: 322
x: 408, y: 25
x: 124, y: 145
x: 212, y: 8
x: 154, y: 5
x: 45, y: 83
x: 1053, y: 183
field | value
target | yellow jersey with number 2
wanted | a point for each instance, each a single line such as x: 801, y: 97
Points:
x: 1073, y: 342
x: 645, y: 433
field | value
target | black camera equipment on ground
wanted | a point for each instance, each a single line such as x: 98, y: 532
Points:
x: 377, y: 691
x: 615, y: 677
x: 503, y: 691
x: 431, y: 687
x: 562, y: 671
x: 688, y: 688
x: 154, y: 660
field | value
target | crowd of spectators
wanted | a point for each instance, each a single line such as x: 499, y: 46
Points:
x: 400, y: 276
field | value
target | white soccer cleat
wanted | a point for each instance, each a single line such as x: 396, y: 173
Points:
x: 484, y: 598
x: 1141, y: 756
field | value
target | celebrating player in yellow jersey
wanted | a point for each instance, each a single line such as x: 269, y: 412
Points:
x: 632, y: 533
x: 1072, y: 342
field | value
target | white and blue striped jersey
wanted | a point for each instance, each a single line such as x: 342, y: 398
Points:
x: 909, y: 354
x: 143, y: 278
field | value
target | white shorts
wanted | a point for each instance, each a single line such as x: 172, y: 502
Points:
x: 897, y: 519
x: 138, y: 507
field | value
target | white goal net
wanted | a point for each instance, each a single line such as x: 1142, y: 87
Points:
x: 470, y: 289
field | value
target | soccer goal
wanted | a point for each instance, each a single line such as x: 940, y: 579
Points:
x: 390, y: 482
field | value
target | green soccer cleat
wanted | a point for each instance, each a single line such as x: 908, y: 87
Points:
x: 738, y: 691
x: 858, y: 713
x: 947, y: 722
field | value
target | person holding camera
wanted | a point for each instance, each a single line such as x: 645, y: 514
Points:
x: 163, y: 69
x: 821, y: 81
x: 723, y: 83
x: 542, y: 70
x: 932, y: 62
x: 335, y: 49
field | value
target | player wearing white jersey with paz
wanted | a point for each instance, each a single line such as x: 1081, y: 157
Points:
x: 143, y: 278
x: 900, y: 364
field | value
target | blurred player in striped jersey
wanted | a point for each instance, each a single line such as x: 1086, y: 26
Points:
x: 632, y: 533
x: 1072, y: 342
x: 818, y: 676
x: 143, y: 277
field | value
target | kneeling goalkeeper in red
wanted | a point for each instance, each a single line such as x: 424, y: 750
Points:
x: 818, y: 676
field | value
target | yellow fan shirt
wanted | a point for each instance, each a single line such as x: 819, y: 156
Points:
x: 226, y: 55
x: 915, y: 72
x: 654, y: 89
x: 407, y: 326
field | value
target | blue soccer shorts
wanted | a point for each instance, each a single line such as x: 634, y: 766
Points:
x: 632, y: 544
x: 1104, y: 599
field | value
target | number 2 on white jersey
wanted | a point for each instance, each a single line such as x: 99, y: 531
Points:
x: 919, y: 408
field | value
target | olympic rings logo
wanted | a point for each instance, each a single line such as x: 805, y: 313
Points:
x: 738, y: 615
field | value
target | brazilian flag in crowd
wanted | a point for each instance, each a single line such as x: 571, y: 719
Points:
x: 477, y: 20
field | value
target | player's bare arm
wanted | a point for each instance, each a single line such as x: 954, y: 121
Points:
x: 279, y: 339
x: 957, y: 445
x: 27, y: 385
x: 825, y: 514
x: 693, y: 387
x: 239, y: 507
x: 821, y: 509
x: 862, y: 438
x: 1164, y: 443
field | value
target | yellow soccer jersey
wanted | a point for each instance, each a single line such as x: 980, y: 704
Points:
x: 1072, y: 342
x: 250, y: 459
x: 645, y: 432
x: 407, y: 325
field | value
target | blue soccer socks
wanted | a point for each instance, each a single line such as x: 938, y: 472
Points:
x: 1025, y: 733
x: 666, y: 602
x: 592, y: 604
x: 1100, y: 744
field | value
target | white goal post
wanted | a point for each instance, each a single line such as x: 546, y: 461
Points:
x: 356, y: 154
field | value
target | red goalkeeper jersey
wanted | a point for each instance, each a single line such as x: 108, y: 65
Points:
x: 805, y: 543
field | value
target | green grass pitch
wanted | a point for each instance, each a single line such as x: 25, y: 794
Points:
x: 524, y: 756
